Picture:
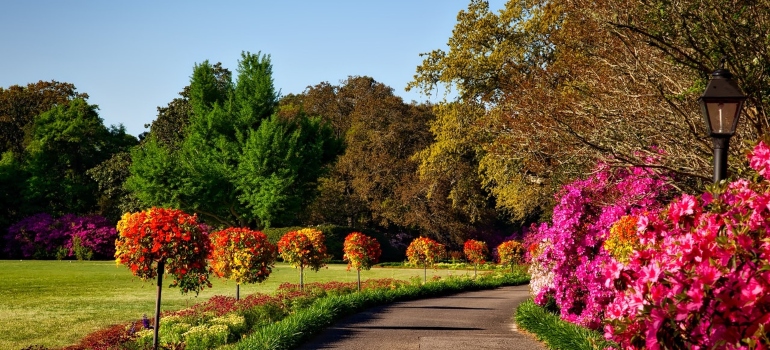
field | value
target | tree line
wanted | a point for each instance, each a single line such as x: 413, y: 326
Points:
x: 544, y: 89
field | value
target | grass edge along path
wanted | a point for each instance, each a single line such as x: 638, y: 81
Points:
x: 56, y: 303
x: 556, y: 333
x: 298, y: 327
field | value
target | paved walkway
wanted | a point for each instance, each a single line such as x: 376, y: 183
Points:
x: 470, y: 320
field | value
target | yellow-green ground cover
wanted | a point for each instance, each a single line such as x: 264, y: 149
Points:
x: 56, y: 303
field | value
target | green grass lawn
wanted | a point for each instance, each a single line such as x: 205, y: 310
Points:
x: 56, y: 303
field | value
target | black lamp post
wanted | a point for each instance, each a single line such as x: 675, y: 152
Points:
x: 721, y: 104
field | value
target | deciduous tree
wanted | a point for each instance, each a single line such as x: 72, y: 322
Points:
x: 304, y: 248
x: 426, y: 252
x: 243, y: 255
x: 361, y: 252
x: 562, y: 83
x: 66, y: 142
x: 476, y: 252
x: 20, y: 105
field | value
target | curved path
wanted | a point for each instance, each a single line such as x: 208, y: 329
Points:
x: 469, y: 320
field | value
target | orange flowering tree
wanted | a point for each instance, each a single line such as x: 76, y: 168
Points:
x: 425, y: 251
x: 361, y: 252
x: 242, y: 255
x: 476, y: 252
x: 304, y: 248
x: 510, y: 253
x: 159, y: 240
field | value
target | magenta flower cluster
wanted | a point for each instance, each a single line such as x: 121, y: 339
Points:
x: 42, y: 236
x: 571, y: 247
x: 699, y: 277
x: 702, y: 280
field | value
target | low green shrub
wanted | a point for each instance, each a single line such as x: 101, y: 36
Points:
x: 555, y: 332
x: 143, y: 339
x: 206, y: 337
x: 264, y: 314
x: 172, y: 330
x: 236, y: 325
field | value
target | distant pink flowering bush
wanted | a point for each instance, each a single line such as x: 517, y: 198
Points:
x: 702, y: 277
x: 42, y: 236
x: 95, y: 232
x: 570, y: 259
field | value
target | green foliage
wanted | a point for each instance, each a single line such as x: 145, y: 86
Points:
x: 172, y: 330
x: 66, y: 142
x: 558, y: 334
x: 12, y: 204
x: 279, y: 167
x: 58, y: 138
x: 81, y: 252
x: 206, y: 337
x: 110, y: 176
x: 20, y: 106
x: 255, y: 95
x: 237, y: 164
x: 155, y: 175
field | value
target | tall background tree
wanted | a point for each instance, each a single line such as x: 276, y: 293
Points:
x: 559, y: 84
x: 375, y: 183
x: 237, y: 164
x: 50, y: 137
x: 20, y: 105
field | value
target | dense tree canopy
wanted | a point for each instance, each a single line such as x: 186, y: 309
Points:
x: 562, y: 83
x: 49, y: 172
x: 67, y: 141
x: 237, y: 164
x: 376, y: 181
x: 20, y: 105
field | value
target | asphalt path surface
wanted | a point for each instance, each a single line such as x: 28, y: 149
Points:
x: 469, y: 320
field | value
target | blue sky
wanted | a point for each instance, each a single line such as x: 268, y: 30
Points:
x: 133, y: 56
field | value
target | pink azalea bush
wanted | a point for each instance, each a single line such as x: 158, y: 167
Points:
x: 43, y: 236
x: 701, y: 279
x: 566, y: 256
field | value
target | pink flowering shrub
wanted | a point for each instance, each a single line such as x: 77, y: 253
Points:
x: 701, y: 279
x: 569, y: 260
x: 42, y: 236
x: 95, y: 232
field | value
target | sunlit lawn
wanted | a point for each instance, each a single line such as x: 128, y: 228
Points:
x: 56, y: 303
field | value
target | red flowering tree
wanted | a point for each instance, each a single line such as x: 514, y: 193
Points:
x: 476, y: 252
x: 511, y: 253
x: 304, y: 248
x: 242, y: 255
x: 425, y: 251
x: 159, y: 240
x: 361, y: 252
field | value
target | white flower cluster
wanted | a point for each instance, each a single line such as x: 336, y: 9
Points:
x: 540, y: 277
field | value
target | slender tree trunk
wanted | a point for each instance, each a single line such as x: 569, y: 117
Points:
x: 475, y: 267
x: 301, y: 278
x: 155, y: 338
x: 424, y: 273
x: 359, y: 279
x: 237, y: 291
